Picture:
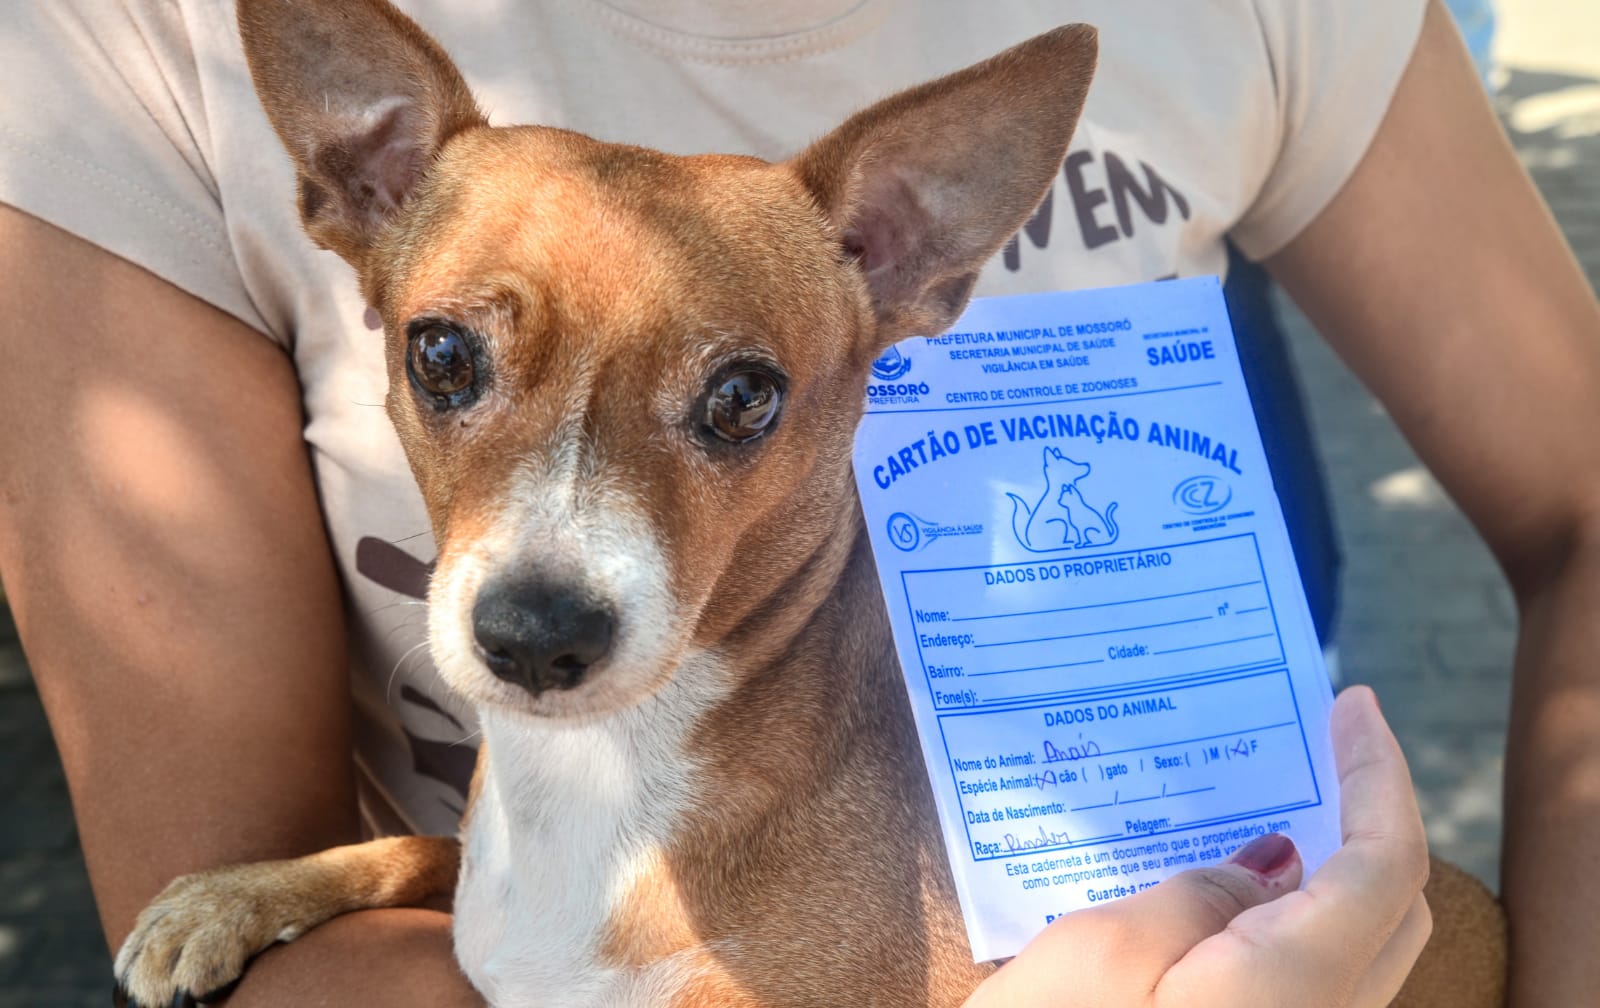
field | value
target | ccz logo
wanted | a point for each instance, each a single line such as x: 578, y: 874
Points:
x: 1202, y: 495
x: 892, y: 365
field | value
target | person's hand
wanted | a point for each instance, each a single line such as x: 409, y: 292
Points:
x: 1243, y: 933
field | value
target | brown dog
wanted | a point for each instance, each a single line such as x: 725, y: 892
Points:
x: 627, y: 384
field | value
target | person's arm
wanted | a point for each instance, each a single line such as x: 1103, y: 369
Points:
x: 165, y: 559
x: 1439, y: 275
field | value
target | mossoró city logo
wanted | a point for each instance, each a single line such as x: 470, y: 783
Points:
x: 889, y: 387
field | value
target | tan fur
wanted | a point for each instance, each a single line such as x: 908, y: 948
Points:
x: 618, y: 240
x: 607, y: 282
x: 806, y: 896
x: 1464, y: 962
x: 205, y: 949
x: 409, y: 57
x: 951, y: 113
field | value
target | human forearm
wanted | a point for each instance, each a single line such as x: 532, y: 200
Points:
x: 1551, y: 861
x: 166, y: 562
x: 1453, y: 296
x: 394, y: 958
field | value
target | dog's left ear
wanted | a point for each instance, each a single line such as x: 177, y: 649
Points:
x: 925, y: 186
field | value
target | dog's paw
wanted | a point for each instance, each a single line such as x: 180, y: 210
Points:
x: 194, y: 940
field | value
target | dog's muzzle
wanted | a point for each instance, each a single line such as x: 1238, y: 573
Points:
x: 539, y: 635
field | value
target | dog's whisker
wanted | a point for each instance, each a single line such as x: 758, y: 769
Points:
x: 394, y: 673
x: 406, y: 627
x: 396, y: 604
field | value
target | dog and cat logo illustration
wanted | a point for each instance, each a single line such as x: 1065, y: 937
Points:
x: 1062, y: 518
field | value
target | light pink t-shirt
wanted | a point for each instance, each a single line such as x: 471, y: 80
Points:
x: 132, y: 123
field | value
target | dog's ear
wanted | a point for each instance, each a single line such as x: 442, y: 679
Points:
x: 925, y: 186
x: 362, y: 98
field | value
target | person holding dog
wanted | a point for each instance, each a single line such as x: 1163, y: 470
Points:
x: 165, y: 536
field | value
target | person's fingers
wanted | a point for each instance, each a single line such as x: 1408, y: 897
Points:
x: 1382, y: 982
x: 1373, y: 879
x: 1121, y: 949
x: 1163, y: 923
x: 1315, y: 947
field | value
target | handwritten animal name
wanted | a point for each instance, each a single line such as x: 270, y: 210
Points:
x: 1082, y: 750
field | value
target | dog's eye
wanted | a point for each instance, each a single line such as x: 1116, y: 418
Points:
x: 742, y: 404
x: 440, y: 363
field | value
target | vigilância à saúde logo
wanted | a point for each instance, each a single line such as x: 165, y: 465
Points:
x: 910, y: 533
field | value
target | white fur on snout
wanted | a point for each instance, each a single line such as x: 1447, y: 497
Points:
x: 573, y: 530
x: 570, y: 814
x: 581, y: 790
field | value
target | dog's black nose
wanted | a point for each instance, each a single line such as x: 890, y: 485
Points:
x: 539, y: 635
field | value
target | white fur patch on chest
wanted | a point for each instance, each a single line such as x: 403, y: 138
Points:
x: 568, y: 817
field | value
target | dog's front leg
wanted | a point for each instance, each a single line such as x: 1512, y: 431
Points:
x: 196, y: 937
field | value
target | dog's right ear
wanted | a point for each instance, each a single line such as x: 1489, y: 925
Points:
x: 362, y: 98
